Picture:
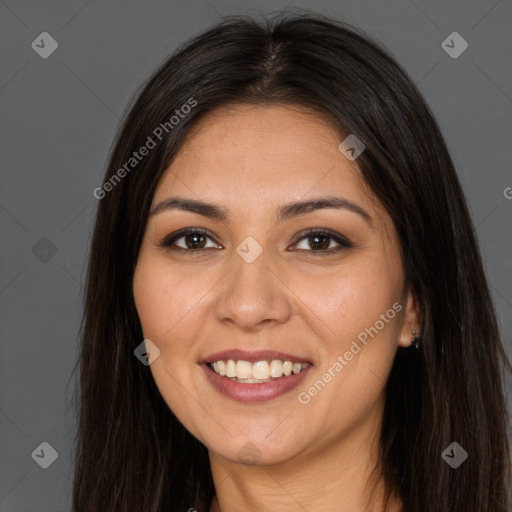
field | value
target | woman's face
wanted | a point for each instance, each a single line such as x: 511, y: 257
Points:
x: 256, y: 286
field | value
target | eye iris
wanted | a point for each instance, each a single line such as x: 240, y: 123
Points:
x: 313, y: 240
x: 195, y: 237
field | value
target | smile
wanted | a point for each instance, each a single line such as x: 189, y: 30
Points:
x: 254, y: 376
x: 258, y: 372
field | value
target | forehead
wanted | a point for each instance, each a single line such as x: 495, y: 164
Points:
x: 250, y: 156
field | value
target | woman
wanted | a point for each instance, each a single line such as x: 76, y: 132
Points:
x: 286, y: 306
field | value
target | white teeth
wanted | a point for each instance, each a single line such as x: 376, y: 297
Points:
x: 252, y: 381
x: 261, y: 371
x: 231, y: 368
x: 276, y: 368
x: 243, y: 370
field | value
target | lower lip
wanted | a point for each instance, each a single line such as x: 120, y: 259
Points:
x: 254, y: 392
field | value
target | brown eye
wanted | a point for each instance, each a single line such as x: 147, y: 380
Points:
x: 319, y: 242
x: 195, y: 240
x: 322, y: 242
x: 192, y: 240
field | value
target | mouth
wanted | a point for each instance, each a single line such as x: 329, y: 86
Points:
x: 254, y: 376
x: 258, y: 372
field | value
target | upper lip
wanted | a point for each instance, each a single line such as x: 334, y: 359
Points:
x: 252, y: 357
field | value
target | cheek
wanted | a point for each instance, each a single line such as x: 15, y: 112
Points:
x: 360, y: 313
x: 166, y: 302
x: 163, y: 297
x: 352, y: 299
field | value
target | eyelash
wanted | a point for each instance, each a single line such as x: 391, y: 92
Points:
x: 343, y: 242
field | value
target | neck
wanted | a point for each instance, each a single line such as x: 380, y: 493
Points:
x: 342, y: 474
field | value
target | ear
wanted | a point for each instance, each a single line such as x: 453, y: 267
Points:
x: 412, y: 320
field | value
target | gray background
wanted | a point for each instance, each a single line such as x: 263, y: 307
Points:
x: 58, y: 118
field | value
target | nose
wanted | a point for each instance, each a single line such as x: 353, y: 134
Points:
x: 252, y: 296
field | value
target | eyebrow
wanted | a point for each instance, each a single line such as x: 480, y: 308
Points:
x: 285, y: 212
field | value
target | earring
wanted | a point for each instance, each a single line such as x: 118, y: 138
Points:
x: 415, y: 340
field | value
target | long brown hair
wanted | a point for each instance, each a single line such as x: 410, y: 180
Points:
x: 132, y: 454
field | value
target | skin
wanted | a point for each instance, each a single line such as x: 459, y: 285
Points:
x: 251, y: 160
